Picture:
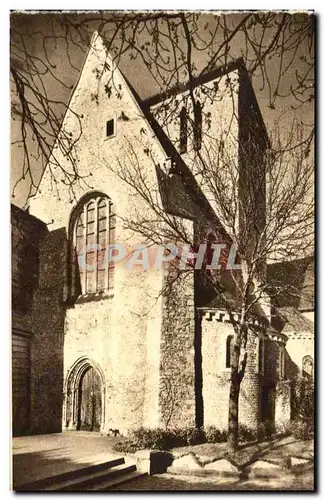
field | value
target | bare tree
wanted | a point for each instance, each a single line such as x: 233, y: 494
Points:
x: 171, y: 48
x: 264, y: 203
x: 267, y: 208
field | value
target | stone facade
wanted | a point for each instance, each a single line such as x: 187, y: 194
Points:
x: 158, y: 359
x: 265, y: 388
x: 216, y: 373
x: 27, y: 233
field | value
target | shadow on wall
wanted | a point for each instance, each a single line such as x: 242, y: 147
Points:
x: 47, y: 344
x: 294, y: 392
x: 298, y: 279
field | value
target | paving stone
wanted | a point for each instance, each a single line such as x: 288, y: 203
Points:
x: 204, y: 459
x: 298, y: 461
x: 262, y: 468
x: 187, y: 461
x: 222, y: 466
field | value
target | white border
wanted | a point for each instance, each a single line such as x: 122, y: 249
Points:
x: 5, y: 195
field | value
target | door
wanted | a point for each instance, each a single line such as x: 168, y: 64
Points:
x: 20, y: 384
x: 89, y: 411
x: 268, y: 403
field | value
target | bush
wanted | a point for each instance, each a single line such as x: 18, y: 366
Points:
x: 215, y: 435
x: 127, y: 446
x: 301, y: 429
x: 155, y: 439
x: 160, y: 439
x: 189, y: 436
x: 166, y: 439
x: 267, y: 430
x: 246, y: 434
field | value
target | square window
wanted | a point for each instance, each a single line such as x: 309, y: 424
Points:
x: 110, y: 128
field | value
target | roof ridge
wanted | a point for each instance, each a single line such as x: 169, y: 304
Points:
x: 196, y: 81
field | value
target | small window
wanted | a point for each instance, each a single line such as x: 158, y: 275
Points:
x: 308, y: 367
x: 281, y: 363
x: 261, y: 356
x: 197, y: 126
x: 229, y: 348
x: 110, y: 128
x: 183, y: 130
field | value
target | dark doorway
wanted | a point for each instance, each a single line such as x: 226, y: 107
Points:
x: 89, y: 410
x: 268, y: 401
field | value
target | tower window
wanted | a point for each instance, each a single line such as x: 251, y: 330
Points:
x: 281, y: 363
x: 197, y: 126
x: 229, y: 348
x: 261, y: 356
x: 183, y: 130
x: 110, y: 128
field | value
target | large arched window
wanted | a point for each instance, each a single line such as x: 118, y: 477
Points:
x: 92, y: 229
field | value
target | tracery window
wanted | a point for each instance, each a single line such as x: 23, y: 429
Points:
x: 92, y: 230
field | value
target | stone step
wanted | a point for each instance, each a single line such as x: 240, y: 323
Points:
x: 93, y: 480
x: 44, y: 484
x: 125, y: 478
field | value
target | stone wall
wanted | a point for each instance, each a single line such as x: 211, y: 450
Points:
x: 250, y: 394
x: 283, y: 402
x: 26, y: 233
x: 121, y: 333
x: 177, y: 362
x: 48, y: 339
x: 298, y: 346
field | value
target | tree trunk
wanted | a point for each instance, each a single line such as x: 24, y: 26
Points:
x: 233, y: 409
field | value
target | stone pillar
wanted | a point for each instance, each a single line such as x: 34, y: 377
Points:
x: 250, y: 397
x: 215, y: 374
x: 177, y: 405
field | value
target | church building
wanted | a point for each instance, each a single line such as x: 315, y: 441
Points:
x: 103, y: 344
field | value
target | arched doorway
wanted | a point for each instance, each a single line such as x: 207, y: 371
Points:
x: 84, y: 397
x: 89, y: 401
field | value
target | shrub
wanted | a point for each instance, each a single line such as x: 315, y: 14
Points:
x: 155, y: 439
x: 161, y: 439
x: 301, y: 429
x: 266, y: 430
x: 127, y: 446
x: 166, y: 439
x: 246, y: 434
x: 188, y: 436
x: 215, y: 435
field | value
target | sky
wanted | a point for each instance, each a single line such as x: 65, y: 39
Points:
x: 42, y: 33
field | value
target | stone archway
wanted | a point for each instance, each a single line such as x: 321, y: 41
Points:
x: 72, y: 392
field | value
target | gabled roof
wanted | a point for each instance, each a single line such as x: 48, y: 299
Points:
x: 217, y: 303
x: 295, y: 322
x: 196, y: 82
x: 296, y: 278
x: 204, y: 78
x: 18, y: 215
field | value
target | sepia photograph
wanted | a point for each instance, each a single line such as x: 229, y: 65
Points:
x: 162, y: 208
